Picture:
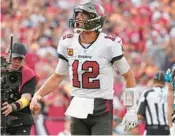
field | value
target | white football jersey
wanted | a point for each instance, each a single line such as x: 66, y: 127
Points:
x: 90, y: 68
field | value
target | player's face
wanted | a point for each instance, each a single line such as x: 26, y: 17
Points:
x: 82, y: 17
x: 17, y: 63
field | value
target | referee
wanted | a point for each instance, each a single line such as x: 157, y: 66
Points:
x: 153, y: 107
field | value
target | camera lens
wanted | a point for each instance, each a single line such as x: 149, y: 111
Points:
x: 12, y: 78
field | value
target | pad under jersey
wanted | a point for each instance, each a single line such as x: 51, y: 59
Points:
x: 90, y: 68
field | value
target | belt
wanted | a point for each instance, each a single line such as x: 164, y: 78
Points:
x: 158, y: 126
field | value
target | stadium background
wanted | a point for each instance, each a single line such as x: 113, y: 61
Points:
x: 147, y: 28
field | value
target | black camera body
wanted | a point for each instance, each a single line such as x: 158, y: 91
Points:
x: 9, y: 80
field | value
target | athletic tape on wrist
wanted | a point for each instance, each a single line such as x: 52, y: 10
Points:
x: 129, y: 97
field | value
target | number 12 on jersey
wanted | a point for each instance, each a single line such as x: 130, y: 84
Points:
x: 91, y: 70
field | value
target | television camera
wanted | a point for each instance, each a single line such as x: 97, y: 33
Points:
x: 10, y: 80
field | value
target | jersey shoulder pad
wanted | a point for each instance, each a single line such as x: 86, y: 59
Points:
x: 108, y: 37
x: 64, y: 42
x: 66, y: 38
x: 113, y: 39
x: 116, y: 42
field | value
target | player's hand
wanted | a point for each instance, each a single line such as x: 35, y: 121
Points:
x: 34, y: 105
x: 6, y: 108
x: 130, y: 120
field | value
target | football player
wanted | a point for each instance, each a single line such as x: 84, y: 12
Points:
x: 170, y: 78
x: 90, y: 57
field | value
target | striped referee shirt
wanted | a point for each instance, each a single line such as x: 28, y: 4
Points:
x: 153, y: 106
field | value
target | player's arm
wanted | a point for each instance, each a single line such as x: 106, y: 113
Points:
x: 55, y: 79
x: 129, y: 96
x: 170, y: 104
x: 61, y: 70
x: 129, y: 92
x: 121, y: 64
x: 51, y: 84
x: 129, y: 79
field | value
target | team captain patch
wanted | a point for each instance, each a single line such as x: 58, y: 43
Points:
x: 70, y: 51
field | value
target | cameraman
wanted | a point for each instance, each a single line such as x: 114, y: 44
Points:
x: 17, y: 114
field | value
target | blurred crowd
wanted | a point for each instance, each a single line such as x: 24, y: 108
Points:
x: 147, y: 28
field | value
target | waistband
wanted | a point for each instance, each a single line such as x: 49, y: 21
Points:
x: 157, y: 127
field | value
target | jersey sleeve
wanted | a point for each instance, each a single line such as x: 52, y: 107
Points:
x: 62, y: 67
x: 121, y: 65
x: 117, y: 51
x: 62, y: 50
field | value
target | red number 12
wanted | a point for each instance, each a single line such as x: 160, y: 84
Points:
x: 86, y: 66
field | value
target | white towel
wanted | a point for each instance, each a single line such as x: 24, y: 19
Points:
x: 80, y: 107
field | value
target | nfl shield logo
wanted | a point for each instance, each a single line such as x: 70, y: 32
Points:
x: 70, y: 51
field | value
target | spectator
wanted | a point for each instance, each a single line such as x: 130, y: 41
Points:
x: 150, y: 30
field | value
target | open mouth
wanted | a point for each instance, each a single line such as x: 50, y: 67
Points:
x: 77, y: 25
